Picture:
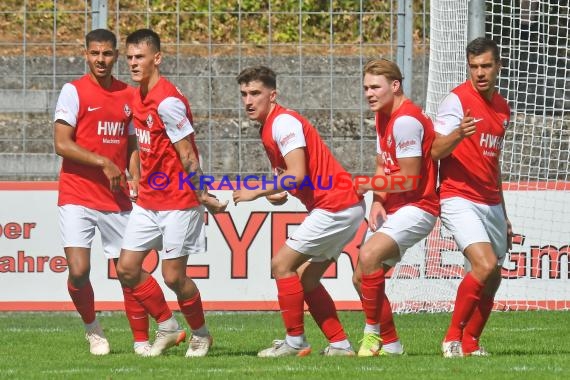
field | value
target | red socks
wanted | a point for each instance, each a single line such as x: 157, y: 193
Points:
x: 150, y: 296
x: 467, y: 299
x: 323, y: 310
x: 137, y: 316
x: 372, y: 291
x: 476, y: 323
x: 291, y: 302
x: 193, y: 311
x: 84, y: 301
x: 388, y: 331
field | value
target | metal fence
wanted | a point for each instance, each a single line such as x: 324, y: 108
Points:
x: 317, y: 48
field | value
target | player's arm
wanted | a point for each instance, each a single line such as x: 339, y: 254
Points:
x: 287, y: 132
x: 133, y: 160
x: 443, y: 145
x: 509, y: 226
x: 408, y: 137
x: 451, y: 127
x: 173, y: 113
x: 66, y: 147
x: 65, y: 120
x: 288, y: 179
x: 191, y: 164
x: 404, y: 180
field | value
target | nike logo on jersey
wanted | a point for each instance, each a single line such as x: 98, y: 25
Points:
x: 170, y: 250
x: 89, y: 109
x: 477, y: 120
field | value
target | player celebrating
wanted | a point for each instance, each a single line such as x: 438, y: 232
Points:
x: 296, y: 152
x: 405, y: 211
x: 169, y: 219
x: 470, y: 126
x: 94, y: 135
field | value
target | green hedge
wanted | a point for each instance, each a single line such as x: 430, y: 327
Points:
x: 215, y: 21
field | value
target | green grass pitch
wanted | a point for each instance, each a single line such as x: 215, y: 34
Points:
x: 524, y: 345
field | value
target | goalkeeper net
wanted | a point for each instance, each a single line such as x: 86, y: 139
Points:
x: 533, y: 38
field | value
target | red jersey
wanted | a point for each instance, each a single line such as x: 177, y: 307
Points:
x: 408, y: 132
x: 471, y: 171
x: 321, y: 167
x: 101, y: 119
x: 162, y: 118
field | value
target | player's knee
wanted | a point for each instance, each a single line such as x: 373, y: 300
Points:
x: 78, y: 276
x: 127, y: 276
x: 278, y: 268
x: 174, y: 281
x: 368, y: 256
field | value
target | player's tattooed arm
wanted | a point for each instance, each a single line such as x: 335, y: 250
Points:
x: 191, y: 164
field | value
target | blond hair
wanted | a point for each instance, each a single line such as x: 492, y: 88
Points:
x: 383, y: 67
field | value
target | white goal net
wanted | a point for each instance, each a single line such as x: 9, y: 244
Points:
x: 533, y: 37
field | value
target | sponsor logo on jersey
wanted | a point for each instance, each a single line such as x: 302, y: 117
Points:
x: 388, y: 162
x: 490, y: 141
x: 286, y: 139
x: 111, y: 128
x: 402, y: 145
x: 182, y: 122
x: 143, y: 136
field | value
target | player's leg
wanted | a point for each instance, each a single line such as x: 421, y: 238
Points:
x: 326, y: 234
x: 112, y: 226
x: 391, y: 344
x: 141, y: 235
x: 184, y: 234
x: 374, y: 251
x: 291, y: 302
x: 322, y: 308
x: 476, y: 324
x: 77, y: 225
x: 382, y: 250
x: 496, y: 226
x: 474, y: 242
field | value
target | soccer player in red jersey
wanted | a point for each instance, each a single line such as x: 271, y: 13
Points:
x: 298, y: 154
x: 169, y: 213
x: 470, y: 126
x: 93, y: 133
x: 404, y: 210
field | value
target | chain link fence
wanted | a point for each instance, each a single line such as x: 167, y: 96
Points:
x: 317, y: 48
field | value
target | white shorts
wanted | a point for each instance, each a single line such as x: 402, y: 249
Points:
x: 77, y: 225
x: 471, y: 222
x: 323, y: 234
x: 173, y: 233
x: 407, y: 226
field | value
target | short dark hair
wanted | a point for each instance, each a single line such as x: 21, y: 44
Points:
x: 147, y: 36
x: 481, y: 45
x: 101, y: 35
x: 261, y: 73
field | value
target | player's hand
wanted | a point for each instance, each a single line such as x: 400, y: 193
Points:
x: 212, y: 203
x: 509, y: 235
x: 244, y: 195
x: 377, y: 213
x: 133, y: 190
x: 468, y: 125
x: 115, y: 176
x: 277, y: 199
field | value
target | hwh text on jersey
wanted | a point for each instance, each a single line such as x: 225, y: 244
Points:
x: 111, y: 128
